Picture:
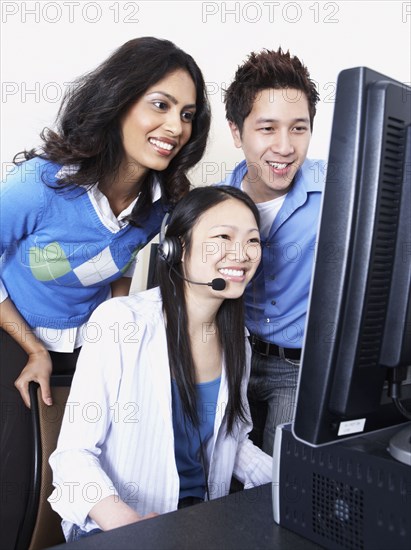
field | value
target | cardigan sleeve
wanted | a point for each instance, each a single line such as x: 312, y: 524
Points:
x: 117, y: 433
x: 22, y: 201
x: 78, y: 477
x: 252, y: 465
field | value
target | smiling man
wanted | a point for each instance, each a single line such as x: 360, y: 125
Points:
x: 270, y: 107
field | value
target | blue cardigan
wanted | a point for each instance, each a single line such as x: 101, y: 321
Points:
x: 58, y: 259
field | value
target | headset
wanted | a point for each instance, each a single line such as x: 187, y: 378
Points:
x: 170, y: 250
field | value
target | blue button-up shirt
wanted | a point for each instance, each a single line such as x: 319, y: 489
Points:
x: 276, y: 299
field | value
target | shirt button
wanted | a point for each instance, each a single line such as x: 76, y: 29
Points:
x: 273, y: 302
x: 267, y: 320
x: 272, y: 277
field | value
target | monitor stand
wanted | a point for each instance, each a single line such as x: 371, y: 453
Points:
x: 400, y: 445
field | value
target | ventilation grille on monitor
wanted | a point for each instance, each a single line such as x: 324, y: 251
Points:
x: 384, y: 248
x: 337, y: 512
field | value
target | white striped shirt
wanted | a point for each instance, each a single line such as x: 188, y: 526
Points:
x: 117, y: 433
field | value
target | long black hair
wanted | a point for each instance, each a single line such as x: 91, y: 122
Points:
x: 229, y: 318
x: 88, y: 133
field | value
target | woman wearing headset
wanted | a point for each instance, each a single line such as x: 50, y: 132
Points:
x: 170, y: 374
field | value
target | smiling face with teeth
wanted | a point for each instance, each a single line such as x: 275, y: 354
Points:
x: 275, y: 139
x: 225, y: 243
x: 159, y: 124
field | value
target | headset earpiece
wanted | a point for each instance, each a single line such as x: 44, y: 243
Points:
x: 169, y: 248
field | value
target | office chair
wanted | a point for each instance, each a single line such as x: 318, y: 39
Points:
x: 41, y: 525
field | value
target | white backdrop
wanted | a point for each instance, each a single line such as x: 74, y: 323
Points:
x: 46, y: 44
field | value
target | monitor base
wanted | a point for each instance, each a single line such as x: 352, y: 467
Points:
x: 400, y: 445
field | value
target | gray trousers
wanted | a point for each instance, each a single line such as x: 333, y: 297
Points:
x: 271, y: 394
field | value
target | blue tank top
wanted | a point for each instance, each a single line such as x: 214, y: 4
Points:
x: 187, y: 439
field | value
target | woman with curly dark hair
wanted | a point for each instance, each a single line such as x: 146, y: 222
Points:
x: 76, y: 212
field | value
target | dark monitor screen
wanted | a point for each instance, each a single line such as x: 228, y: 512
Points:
x: 358, y: 337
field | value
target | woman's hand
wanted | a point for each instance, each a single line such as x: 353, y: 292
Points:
x: 39, y: 366
x: 38, y: 369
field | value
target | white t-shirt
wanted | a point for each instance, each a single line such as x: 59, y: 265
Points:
x: 268, y: 211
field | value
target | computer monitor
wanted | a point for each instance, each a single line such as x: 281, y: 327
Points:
x: 358, y: 332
